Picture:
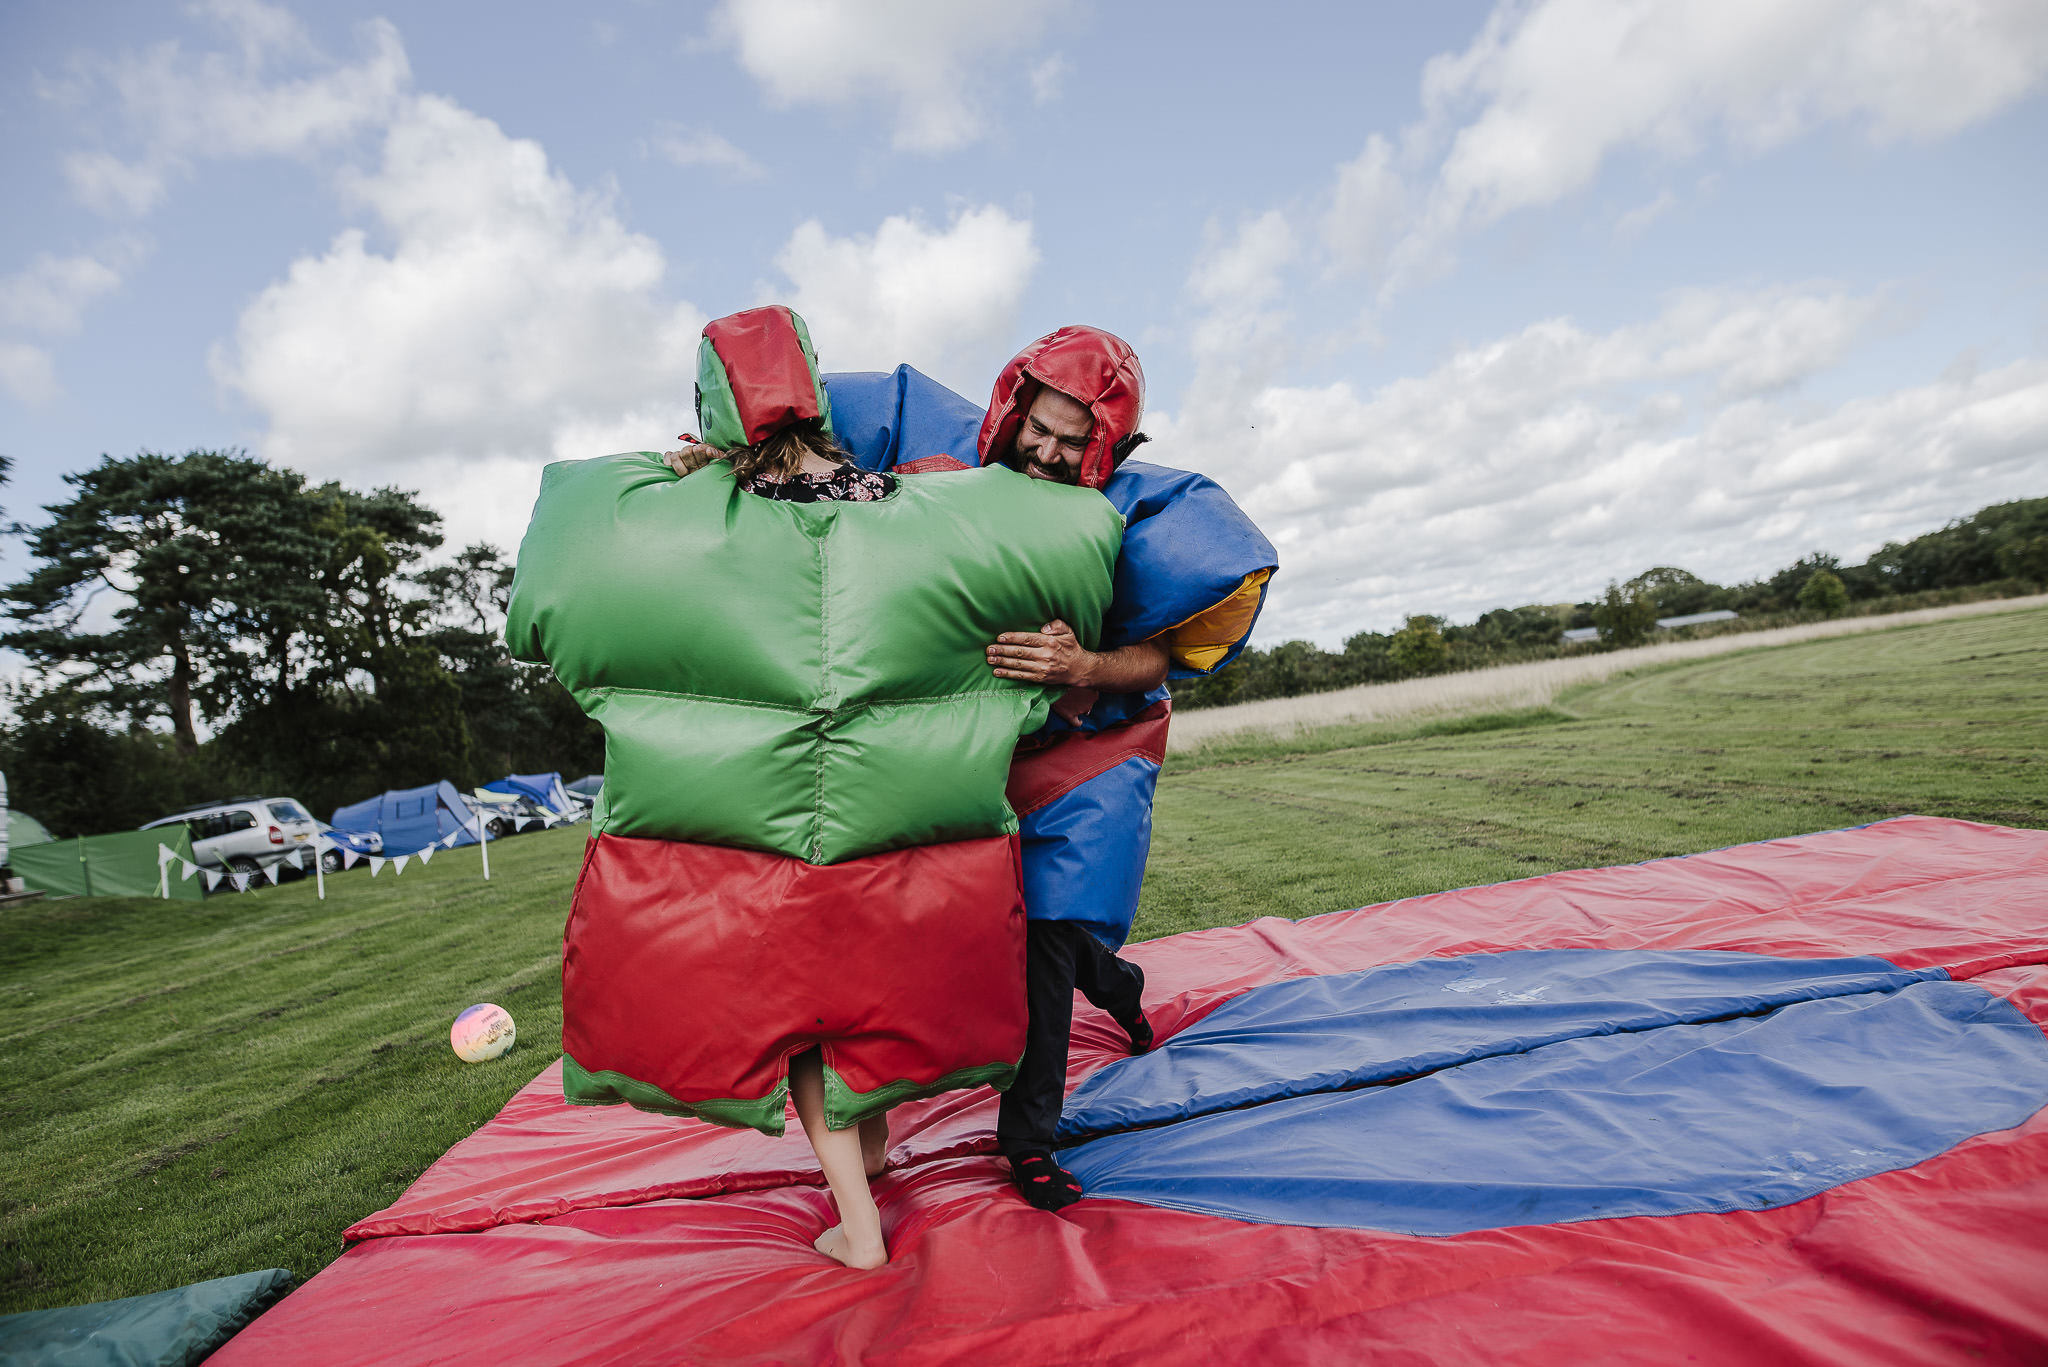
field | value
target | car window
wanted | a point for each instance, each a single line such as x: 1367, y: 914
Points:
x: 214, y: 824
x: 237, y: 821
x: 288, y: 811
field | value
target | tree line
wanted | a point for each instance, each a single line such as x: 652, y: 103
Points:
x: 206, y: 624
x: 1999, y: 549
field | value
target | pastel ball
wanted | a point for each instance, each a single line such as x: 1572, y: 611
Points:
x: 482, y: 1033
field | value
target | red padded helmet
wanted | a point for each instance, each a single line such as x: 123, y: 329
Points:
x: 1086, y: 364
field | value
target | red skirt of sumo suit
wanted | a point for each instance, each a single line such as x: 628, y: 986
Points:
x: 691, y: 974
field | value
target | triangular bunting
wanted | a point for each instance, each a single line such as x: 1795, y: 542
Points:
x: 240, y: 880
x: 450, y: 839
x: 274, y: 872
x: 376, y: 865
x: 164, y: 855
x: 398, y: 864
x: 427, y: 854
x: 348, y: 857
x: 213, y: 877
x: 186, y: 869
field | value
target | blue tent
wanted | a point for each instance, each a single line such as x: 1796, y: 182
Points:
x: 411, y: 819
x: 546, y: 789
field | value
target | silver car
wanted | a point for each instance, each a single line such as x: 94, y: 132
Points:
x: 244, y: 833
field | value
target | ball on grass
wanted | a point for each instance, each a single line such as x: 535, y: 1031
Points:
x: 482, y: 1033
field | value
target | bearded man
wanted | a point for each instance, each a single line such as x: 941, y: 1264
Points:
x: 1190, y: 581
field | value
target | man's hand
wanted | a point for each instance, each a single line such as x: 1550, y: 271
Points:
x: 1053, y: 655
x: 1050, y: 655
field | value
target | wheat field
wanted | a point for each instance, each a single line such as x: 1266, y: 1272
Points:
x: 1509, y: 688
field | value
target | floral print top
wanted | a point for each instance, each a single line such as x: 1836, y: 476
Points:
x: 846, y: 483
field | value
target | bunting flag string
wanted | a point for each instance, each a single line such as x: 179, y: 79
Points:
x: 427, y: 854
x: 398, y: 864
x: 240, y: 880
x: 190, y: 868
x: 349, y: 857
x: 376, y: 865
x: 273, y: 871
x: 448, y: 840
x: 164, y: 855
x: 213, y: 877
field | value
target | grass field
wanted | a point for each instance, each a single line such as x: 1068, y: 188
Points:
x: 195, y: 1091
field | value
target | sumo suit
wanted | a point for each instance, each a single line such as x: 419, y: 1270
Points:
x: 1192, y: 573
x: 803, y: 838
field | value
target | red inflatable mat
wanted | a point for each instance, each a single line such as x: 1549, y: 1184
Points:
x: 573, y: 1235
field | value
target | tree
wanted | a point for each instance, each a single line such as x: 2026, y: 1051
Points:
x: 1675, y: 592
x: 2026, y: 559
x: 1824, y: 593
x: 507, y: 707
x: 193, y: 553
x: 1625, y: 619
x: 1419, y: 647
x: 81, y: 776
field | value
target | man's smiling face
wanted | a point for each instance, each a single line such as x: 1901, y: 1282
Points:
x: 1053, y: 436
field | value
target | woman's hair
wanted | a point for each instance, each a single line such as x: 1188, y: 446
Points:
x: 778, y: 457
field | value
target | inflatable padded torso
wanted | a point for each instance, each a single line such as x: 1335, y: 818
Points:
x: 803, y: 679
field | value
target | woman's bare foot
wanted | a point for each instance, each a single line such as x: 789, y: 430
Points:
x: 833, y: 1243
x: 874, y: 1144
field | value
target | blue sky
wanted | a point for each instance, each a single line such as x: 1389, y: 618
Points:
x: 1468, y: 304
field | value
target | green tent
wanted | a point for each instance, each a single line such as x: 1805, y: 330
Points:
x: 23, y: 829
x: 119, y: 865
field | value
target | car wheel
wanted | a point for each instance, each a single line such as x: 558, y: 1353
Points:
x: 331, y: 861
x: 500, y: 828
x: 242, y: 863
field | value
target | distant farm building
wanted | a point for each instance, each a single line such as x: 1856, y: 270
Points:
x: 1579, y: 635
x: 1693, y: 619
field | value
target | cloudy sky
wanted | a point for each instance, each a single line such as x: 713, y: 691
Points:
x: 1468, y: 304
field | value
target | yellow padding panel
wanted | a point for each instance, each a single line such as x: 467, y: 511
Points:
x: 1204, y: 639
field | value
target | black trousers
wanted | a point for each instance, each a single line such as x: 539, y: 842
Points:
x: 1059, y: 957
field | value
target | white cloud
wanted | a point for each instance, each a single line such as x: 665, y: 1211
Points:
x: 1049, y: 79
x: 1530, y: 111
x: 1637, y: 221
x: 1539, y: 466
x: 688, y: 147
x: 52, y: 294
x: 1368, y: 207
x: 1241, y: 336
x: 1245, y: 269
x: 513, y: 310
x: 1567, y: 83
x: 945, y: 300
x: 106, y: 184
x: 924, y: 58
x: 181, y: 107
x: 26, y: 372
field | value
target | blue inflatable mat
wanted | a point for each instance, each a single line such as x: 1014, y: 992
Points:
x: 1685, y: 1101
x: 1354, y: 1029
